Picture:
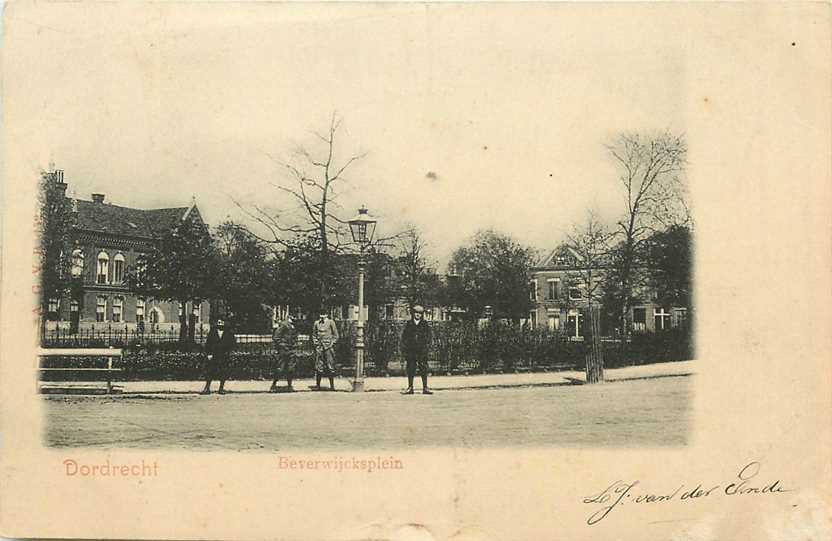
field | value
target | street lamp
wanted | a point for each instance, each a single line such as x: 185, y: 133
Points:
x: 362, y: 228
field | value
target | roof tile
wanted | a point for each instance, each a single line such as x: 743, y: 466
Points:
x: 116, y: 220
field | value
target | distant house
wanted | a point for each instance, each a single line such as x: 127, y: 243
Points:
x: 106, y: 241
x: 385, y: 299
x: 396, y: 306
x: 559, y: 299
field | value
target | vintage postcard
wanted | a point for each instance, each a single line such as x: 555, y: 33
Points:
x: 416, y: 271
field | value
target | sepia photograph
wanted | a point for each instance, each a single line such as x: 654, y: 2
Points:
x: 200, y: 285
x: 416, y: 271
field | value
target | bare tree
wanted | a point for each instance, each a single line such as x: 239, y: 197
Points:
x: 591, y: 244
x: 314, y: 178
x: 652, y: 174
x: 418, y: 277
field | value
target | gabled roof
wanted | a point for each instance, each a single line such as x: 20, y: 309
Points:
x: 116, y: 220
x: 556, y: 256
x: 161, y: 220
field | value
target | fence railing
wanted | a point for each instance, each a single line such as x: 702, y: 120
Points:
x: 454, y: 348
x: 114, y: 336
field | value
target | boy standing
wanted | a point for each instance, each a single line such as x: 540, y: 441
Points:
x: 285, y: 339
x: 218, y: 347
x: 324, y: 338
x: 415, y: 341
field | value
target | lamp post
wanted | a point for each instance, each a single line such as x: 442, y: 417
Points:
x: 362, y: 228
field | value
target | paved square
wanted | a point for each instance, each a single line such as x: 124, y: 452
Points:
x: 625, y: 413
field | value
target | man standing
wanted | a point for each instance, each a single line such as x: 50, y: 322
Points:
x: 324, y: 338
x: 218, y: 348
x: 285, y: 338
x: 415, y: 340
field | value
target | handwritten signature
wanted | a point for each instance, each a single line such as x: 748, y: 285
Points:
x: 620, y: 492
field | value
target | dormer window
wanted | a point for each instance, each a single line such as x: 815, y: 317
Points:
x: 103, y: 268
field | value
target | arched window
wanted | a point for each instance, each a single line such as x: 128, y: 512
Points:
x: 118, y: 308
x: 103, y: 268
x: 118, y: 268
x: 77, y: 263
x: 101, y: 308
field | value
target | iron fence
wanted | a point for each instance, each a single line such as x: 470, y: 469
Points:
x: 131, y: 337
x: 454, y: 348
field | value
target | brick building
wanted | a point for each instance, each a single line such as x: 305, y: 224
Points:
x: 559, y: 299
x: 107, y: 240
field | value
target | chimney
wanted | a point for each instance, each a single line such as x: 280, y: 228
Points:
x: 98, y: 198
x: 58, y: 178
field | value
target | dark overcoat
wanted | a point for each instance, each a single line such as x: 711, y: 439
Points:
x: 221, y: 349
x: 415, y: 340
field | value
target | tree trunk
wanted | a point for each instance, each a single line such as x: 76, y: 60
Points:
x: 625, y: 299
x: 322, y: 300
x: 627, y: 274
x: 594, y: 350
x: 183, y: 323
x: 625, y: 309
x: 42, y: 315
x: 191, y: 327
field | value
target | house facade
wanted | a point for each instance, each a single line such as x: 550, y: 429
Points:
x: 396, y: 304
x: 107, y: 240
x: 396, y: 309
x: 558, y: 291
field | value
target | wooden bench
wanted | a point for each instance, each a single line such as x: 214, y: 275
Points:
x: 108, y: 353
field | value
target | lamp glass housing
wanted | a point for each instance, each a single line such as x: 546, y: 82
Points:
x: 362, y: 227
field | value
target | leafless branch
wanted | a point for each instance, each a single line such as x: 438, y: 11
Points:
x: 349, y: 162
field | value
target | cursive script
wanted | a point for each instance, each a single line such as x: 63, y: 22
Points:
x: 621, y: 493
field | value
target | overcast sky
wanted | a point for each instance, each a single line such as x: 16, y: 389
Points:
x: 470, y: 118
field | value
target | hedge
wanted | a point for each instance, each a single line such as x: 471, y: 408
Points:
x: 455, y: 348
